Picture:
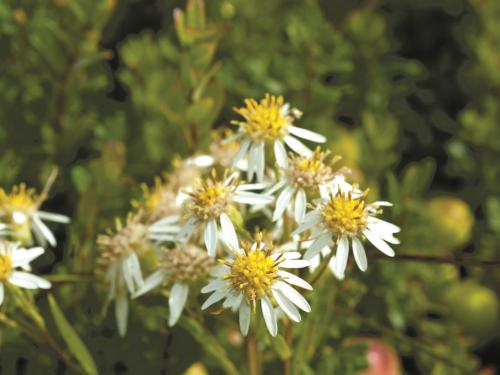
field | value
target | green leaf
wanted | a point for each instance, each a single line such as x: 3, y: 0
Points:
x: 281, y: 347
x: 75, y: 344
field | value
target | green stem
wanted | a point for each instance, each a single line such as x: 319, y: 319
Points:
x: 252, y: 355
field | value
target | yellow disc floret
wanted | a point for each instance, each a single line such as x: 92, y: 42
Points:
x: 211, y: 198
x: 344, y: 214
x: 17, y: 206
x: 5, y: 266
x: 310, y: 171
x: 265, y: 121
x: 253, y: 272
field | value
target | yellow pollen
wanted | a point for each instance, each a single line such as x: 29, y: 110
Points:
x: 311, y: 171
x: 264, y: 121
x: 253, y: 273
x: 5, y: 266
x: 345, y: 215
x: 212, y: 198
x: 20, y: 200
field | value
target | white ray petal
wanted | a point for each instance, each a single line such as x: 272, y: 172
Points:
x: 294, y: 280
x: 255, y: 186
x: 379, y: 243
x: 232, y: 300
x: 252, y: 198
x: 177, y: 301
x: 359, y: 254
x: 341, y: 255
x: 228, y: 232
x: 276, y: 187
x: 288, y: 307
x: 280, y: 154
x: 253, y: 156
x: 121, y: 314
x: 44, y: 230
x: 28, y: 281
x: 151, y: 282
x: 310, y: 221
x: 244, y: 318
x: 210, y: 237
x: 165, y: 221
x: 283, y: 201
x: 2, y: 292
x: 187, y: 230
x: 306, y: 134
x: 269, y: 316
x: 294, y: 263
x: 261, y: 162
x: 241, y: 152
x: 297, y: 146
x: 386, y: 226
x: 318, y: 245
x: 214, y: 285
x: 300, y: 205
x: 293, y: 295
x: 20, y: 257
x: 214, y: 298
x: 57, y: 218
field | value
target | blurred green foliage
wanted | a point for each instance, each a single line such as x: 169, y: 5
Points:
x: 407, y: 92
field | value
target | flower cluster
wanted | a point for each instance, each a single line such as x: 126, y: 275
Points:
x: 198, y: 213
x: 21, y: 223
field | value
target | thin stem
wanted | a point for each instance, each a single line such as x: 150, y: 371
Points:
x: 324, y: 265
x: 252, y: 355
x: 287, y: 365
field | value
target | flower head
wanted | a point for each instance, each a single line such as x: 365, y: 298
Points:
x: 345, y: 217
x: 253, y: 274
x: 269, y: 121
x: 303, y: 175
x: 179, y: 268
x: 19, y: 210
x: 210, y: 201
x: 158, y: 201
x: 12, y: 258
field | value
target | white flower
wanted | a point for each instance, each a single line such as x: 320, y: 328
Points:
x: 208, y: 205
x: 303, y: 175
x: 120, y: 254
x: 20, y: 211
x: 11, y: 259
x: 269, y: 122
x: 180, y: 268
x: 346, y: 219
x: 255, y: 274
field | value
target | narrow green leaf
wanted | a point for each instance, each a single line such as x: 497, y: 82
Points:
x: 75, y: 344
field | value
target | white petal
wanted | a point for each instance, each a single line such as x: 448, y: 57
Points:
x: 44, y: 230
x: 135, y: 269
x: 310, y: 221
x: 187, y: 230
x: 359, y: 254
x: 177, y: 301
x: 234, y: 299
x: 381, y: 203
x: 253, y: 157
x: 214, y: 298
x: 318, y: 245
x: 244, y: 318
x: 297, y: 146
x: 57, y: 218
x: 214, y: 285
x: 342, y: 255
x: 256, y: 186
x: 294, y: 280
x: 388, y: 227
x: 380, y: 232
x: 2, y: 292
x: 269, y: 316
x: 210, y: 237
x: 21, y: 257
x: 283, y: 201
x: 288, y: 307
x: 201, y: 161
x: 252, y: 198
x: 121, y: 314
x: 151, y: 282
x: 306, y: 134
x: 228, y: 232
x: 300, y: 206
x: 294, y: 263
x: 280, y: 154
x: 241, y: 152
x: 276, y: 187
x: 28, y: 281
x: 168, y: 220
x: 261, y: 162
x: 293, y: 295
x: 379, y: 243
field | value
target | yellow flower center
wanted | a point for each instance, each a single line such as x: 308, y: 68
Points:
x: 253, y: 273
x: 345, y: 215
x: 310, y: 171
x: 5, y: 266
x: 264, y: 121
x: 19, y: 205
x: 212, y: 198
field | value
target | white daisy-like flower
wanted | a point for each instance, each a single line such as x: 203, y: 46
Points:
x: 254, y: 274
x: 208, y: 205
x: 20, y: 211
x: 269, y: 122
x: 120, y: 253
x: 13, y: 258
x: 180, y: 268
x: 302, y: 176
x: 346, y: 219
